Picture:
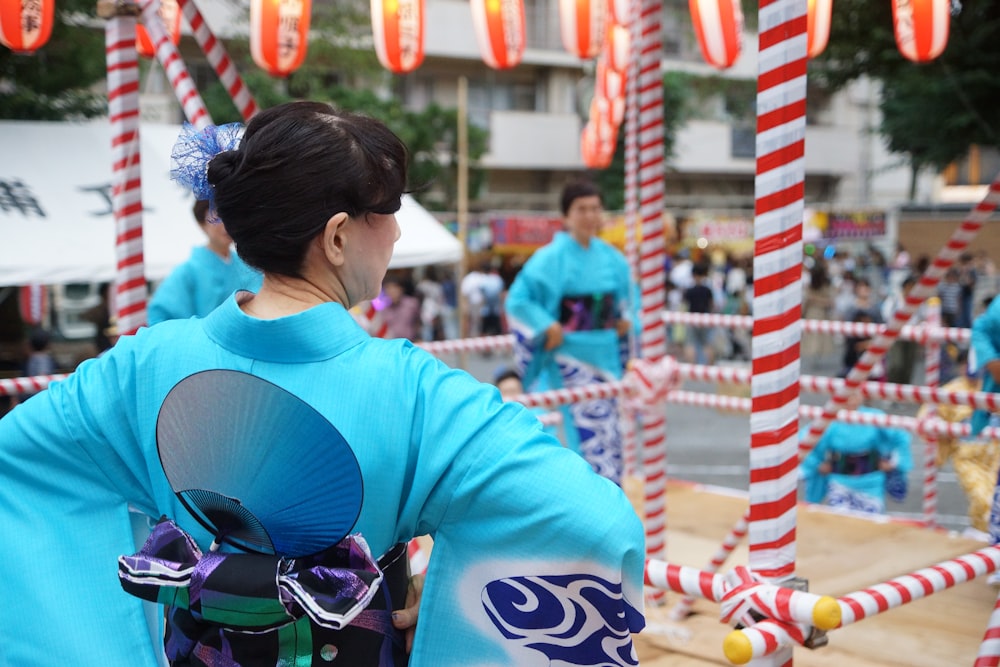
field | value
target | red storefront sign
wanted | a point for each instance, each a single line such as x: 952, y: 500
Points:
x: 519, y: 233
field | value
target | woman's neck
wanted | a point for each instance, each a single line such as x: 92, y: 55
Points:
x: 281, y: 296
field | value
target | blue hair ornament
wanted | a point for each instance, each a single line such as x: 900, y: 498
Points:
x: 193, y: 151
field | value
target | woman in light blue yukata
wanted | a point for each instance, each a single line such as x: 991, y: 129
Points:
x: 289, y: 457
x: 569, y: 309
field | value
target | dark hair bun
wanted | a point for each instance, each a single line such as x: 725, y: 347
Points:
x: 222, y: 166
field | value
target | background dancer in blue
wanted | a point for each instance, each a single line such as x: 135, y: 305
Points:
x: 275, y: 433
x: 207, y: 278
x: 569, y: 310
x: 854, y: 466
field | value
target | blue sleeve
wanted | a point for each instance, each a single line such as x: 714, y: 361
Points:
x: 174, y: 298
x: 534, y: 293
x: 63, y: 523
x: 897, y: 445
x: 514, y: 515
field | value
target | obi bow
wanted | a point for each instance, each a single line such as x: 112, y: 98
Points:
x: 248, y: 591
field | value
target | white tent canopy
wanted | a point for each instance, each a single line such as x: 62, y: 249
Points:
x: 56, y: 224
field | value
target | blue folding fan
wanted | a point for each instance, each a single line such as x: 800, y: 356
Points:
x: 258, y: 467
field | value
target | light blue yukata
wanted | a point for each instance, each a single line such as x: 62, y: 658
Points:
x: 196, y: 287
x: 536, y: 560
x: 854, y: 451
x: 590, y: 353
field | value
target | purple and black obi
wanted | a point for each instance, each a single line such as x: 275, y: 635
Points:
x: 256, y: 610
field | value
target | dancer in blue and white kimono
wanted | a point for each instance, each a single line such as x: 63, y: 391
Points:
x: 289, y: 457
x: 854, y: 466
x: 569, y: 309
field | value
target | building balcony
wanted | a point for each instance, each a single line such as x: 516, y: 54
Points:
x: 532, y: 140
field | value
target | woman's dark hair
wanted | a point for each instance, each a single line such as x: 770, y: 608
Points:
x: 574, y: 191
x: 297, y: 165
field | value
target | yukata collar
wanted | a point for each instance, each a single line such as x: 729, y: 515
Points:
x: 319, y: 333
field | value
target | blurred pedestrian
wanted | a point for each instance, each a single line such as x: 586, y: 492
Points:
x: 401, y: 312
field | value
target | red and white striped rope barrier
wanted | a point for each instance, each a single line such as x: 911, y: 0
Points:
x: 126, y: 170
x: 502, y: 343
x: 920, y: 292
x: 779, y: 187
x: 989, y: 649
x: 759, y: 638
x: 557, y: 397
x: 652, y: 338
x: 173, y: 65
x: 935, y: 426
x: 27, y: 385
x: 215, y: 53
x: 924, y: 333
x: 888, y: 391
x: 729, y: 544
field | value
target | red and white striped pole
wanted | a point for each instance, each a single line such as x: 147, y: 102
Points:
x: 217, y: 57
x: 172, y: 63
x: 779, y: 187
x: 989, y: 649
x: 629, y: 416
x: 652, y: 339
x: 932, y: 378
x: 777, y: 303
x: 126, y: 176
x: 632, y: 138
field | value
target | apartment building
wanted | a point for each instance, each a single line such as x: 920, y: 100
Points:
x: 534, y: 114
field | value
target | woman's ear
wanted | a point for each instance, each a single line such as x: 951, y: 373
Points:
x: 334, y: 238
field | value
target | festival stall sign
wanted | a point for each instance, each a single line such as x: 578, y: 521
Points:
x: 523, y: 234
x: 615, y: 228
x: 847, y: 225
x: 728, y: 231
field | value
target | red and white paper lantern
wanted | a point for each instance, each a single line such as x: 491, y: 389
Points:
x: 608, y: 83
x: 718, y: 25
x: 619, y: 11
x: 616, y: 47
x: 26, y: 25
x: 582, y: 25
x: 33, y: 302
x: 279, y: 34
x: 398, y: 29
x: 818, y: 26
x: 170, y: 14
x: 921, y: 28
x: 499, y: 26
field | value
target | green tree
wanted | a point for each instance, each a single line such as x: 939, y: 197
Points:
x: 931, y: 112
x: 56, y: 82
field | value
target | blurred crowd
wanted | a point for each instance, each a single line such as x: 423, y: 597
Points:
x: 858, y: 285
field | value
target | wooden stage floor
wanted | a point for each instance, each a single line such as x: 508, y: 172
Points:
x: 837, y: 554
